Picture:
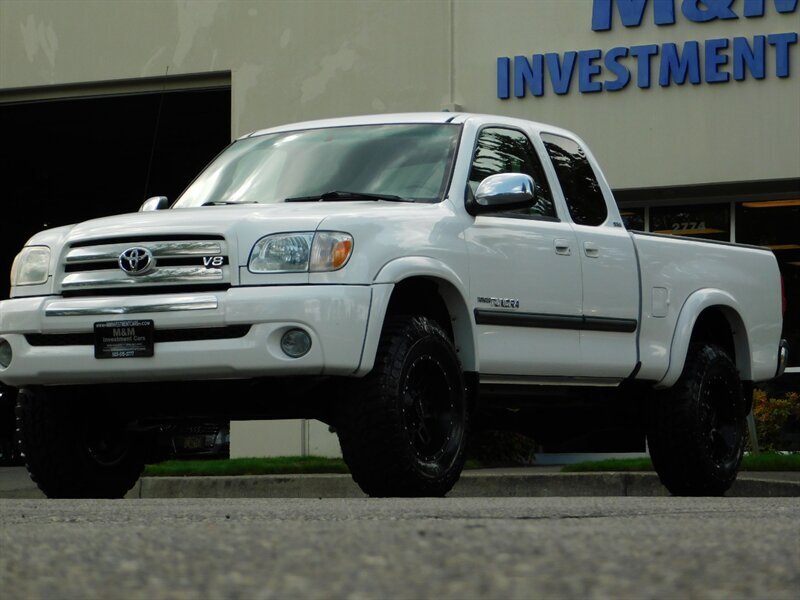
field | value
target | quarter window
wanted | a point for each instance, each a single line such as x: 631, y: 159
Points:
x: 502, y: 150
x: 585, y: 200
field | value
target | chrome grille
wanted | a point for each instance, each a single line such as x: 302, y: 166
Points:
x: 179, y: 263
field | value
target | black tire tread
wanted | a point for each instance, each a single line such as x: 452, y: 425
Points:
x: 673, y: 430
x: 49, y: 435
x: 372, y: 440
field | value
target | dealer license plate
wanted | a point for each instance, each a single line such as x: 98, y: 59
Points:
x: 123, y: 339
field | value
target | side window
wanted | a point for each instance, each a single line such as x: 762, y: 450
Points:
x: 578, y: 181
x: 509, y: 151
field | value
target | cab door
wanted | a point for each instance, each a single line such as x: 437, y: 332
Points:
x: 525, y: 270
x: 608, y: 343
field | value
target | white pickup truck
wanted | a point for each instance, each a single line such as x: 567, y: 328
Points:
x: 395, y: 276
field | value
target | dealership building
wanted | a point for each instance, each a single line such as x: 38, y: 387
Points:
x: 691, y: 107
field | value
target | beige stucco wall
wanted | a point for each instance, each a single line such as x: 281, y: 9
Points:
x: 290, y: 60
x: 290, y: 437
x: 303, y: 59
x: 688, y: 134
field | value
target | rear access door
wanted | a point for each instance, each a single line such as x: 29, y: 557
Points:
x: 609, y: 266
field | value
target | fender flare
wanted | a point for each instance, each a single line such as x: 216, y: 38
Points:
x: 694, y: 305
x: 454, y: 294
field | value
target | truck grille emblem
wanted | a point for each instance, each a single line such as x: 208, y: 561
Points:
x: 137, y: 261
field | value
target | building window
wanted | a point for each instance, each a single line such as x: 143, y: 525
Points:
x: 633, y: 218
x: 776, y: 224
x: 707, y: 221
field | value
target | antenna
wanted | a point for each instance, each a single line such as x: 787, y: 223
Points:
x: 155, y: 133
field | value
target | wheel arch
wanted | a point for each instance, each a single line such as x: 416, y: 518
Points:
x: 423, y: 286
x: 715, y: 316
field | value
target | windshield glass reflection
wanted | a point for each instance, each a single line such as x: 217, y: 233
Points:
x: 405, y: 161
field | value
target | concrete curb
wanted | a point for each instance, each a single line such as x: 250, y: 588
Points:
x: 476, y: 485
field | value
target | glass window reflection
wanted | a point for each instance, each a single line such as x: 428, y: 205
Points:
x: 585, y: 200
x: 502, y: 150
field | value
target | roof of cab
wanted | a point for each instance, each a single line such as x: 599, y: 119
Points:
x: 410, y: 117
x: 379, y: 119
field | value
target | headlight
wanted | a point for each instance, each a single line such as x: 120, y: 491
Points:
x: 31, y: 266
x: 301, y: 252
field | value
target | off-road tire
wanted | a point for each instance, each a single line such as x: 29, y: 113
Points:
x: 73, y: 448
x: 696, y: 430
x: 403, y: 427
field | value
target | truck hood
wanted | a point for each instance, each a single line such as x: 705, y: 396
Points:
x: 241, y: 225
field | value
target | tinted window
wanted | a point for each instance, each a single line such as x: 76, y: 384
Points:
x: 578, y: 181
x: 509, y: 151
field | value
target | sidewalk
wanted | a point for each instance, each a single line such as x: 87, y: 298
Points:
x: 539, y: 481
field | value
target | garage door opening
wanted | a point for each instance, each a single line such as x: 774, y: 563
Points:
x: 68, y: 160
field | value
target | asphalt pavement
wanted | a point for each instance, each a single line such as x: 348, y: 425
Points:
x: 535, y: 481
x: 366, y: 548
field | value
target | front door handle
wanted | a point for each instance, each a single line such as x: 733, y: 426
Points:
x: 591, y: 250
x: 563, y: 247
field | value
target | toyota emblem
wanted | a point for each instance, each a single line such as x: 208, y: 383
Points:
x: 137, y: 261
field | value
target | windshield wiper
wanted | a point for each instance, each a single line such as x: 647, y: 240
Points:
x: 223, y: 203
x: 340, y: 195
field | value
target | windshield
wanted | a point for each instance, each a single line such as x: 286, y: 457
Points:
x: 394, y: 162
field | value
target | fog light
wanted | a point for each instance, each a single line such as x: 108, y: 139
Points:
x: 5, y: 353
x: 295, y: 343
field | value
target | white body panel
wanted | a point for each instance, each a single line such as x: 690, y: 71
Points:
x: 335, y: 317
x: 697, y: 275
x: 544, y: 283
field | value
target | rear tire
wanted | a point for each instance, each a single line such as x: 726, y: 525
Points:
x: 696, y: 433
x: 403, y: 428
x: 74, y: 447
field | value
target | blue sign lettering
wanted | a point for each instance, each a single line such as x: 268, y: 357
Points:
x: 560, y: 74
x: 749, y: 57
x: 782, y: 41
x: 675, y: 66
x: 587, y: 70
x: 718, y: 61
x: 528, y: 74
x: 631, y: 12
x: 503, y: 68
x: 622, y: 73
x: 715, y: 60
x: 643, y: 54
x: 702, y: 11
x: 755, y: 8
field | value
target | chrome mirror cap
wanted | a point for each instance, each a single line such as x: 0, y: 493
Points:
x: 154, y: 203
x: 504, y: 191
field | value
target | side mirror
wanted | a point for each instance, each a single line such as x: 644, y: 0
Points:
x: 154, y: 203
x: 505, y: 191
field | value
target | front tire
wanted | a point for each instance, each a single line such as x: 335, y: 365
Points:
x: 403, y: 428
x: 697, y: 428
x: 74, y: 447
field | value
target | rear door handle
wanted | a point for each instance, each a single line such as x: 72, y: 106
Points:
x: 591, y: 250
x: 563, y: 247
